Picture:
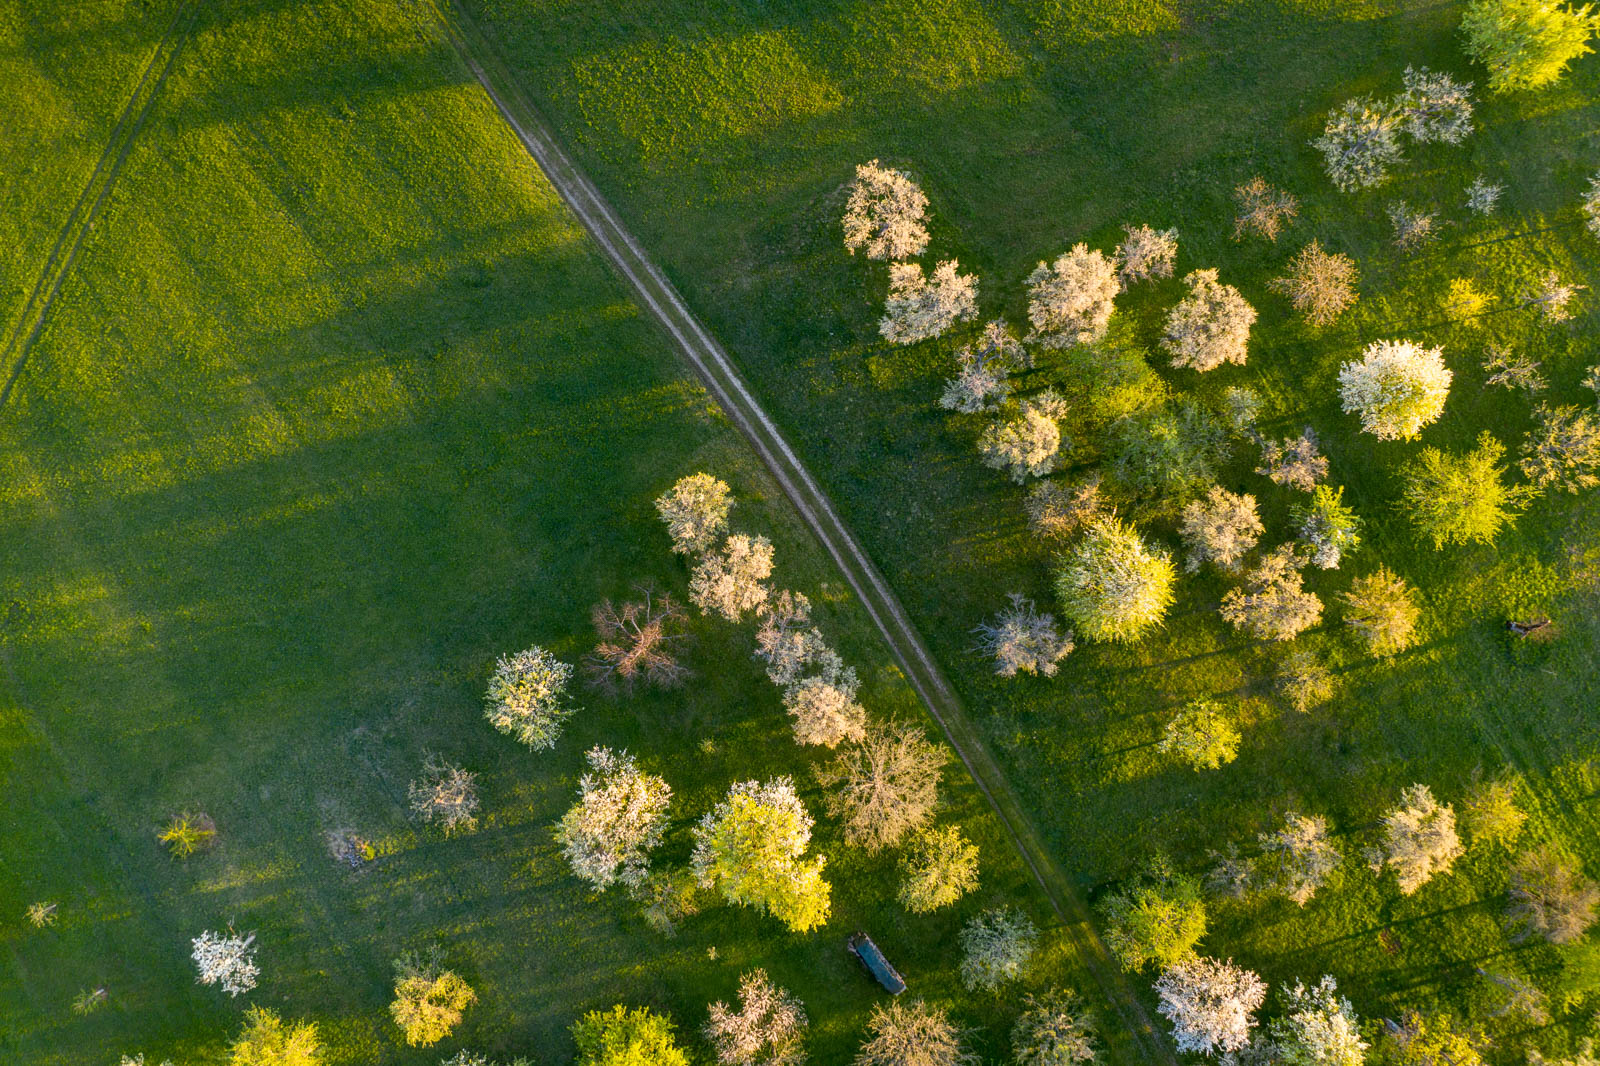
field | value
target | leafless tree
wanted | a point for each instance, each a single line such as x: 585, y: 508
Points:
x: 886, y: 786
x: 1509, y: 370
x: 1552, y: 295
x: 1220, y: 529
x: 1059, y: 509
x: 913, y: 1034
x: 768, y: 1029
x: 1263, y: 210
x: 1321, y: 285
x: 638, y: 643
x: 445, y: 795
x: 1482, y: 195
x: 786, y: 640
x: 1299, y: 858
x: 981, y: 381
x: 1304, y: 681
x: 1412, y: 227
x: 1550, y: 898
x: 1562, y: 451
x: 1295, y: 462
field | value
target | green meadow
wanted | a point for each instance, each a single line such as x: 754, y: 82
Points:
x: 336, y: 406
x: 726, y: 133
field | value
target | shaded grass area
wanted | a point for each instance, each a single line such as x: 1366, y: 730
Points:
x: 337, y: 407
x: 725, y: 131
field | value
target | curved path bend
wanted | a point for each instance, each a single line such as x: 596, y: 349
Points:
x: 716, y: 370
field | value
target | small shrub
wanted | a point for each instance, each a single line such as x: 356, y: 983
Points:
x: 188, y: 834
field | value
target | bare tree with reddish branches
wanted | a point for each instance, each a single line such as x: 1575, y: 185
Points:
x: 638, y: 643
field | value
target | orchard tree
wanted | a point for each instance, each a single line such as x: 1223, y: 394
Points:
x: 1327, y: 526
x: 267, y: 1040
x: 1319, y: 1028
x: 981, y: 381
x: 1550, y: 898
x: 1211, y: 1004
x: 786, y: 641
x: 695, y: 510
x: 229, y: 961
x: 620, y: 816
x: 1145, y: 254
x: 1070, y: 300
x: 527, y: 697
x: 1490, y: 813
x: 1299, y: 858
x: 1435, y: 107
x: 823, y: 705
x: 1239, y: 408
x: 751, y: 848
x: 1591, y: 206
x: 996, y: 947
x: 1169, y: 454
x: 1263, y: 210
x: 1112, y: 585
x: 884, y: 213
x: 1210, y: 326
x: 638, y: 643
x: 445, y: 795
x: 1358, y: 144
x: 938, y: 867
x: 1321, y: 285
x: 1551, y: 295
x: 1482, y: 195
x: 913, y: 1034
x: 729, y: 582
x: 1526, y: 44
x: 1295, y: 462
x: 1460, y: 499
x: 1382, y: 610
x: 1430, y: 1040
x: 1412, y: 226
x: 1304, y: 681
x: 1201, y: 735
x: 1509, y: 370
x: 41, y: 914
x: 886, y: 786
x: 922, y: 307
x: 1272, y: 604
x: 1419, y: 838
x: 1058, y: 510
x: 1027, y: 443
x: 428, y: 999
x: 1054, y: 1029
x: 1021, y: 640
x: 1155, y: 920
x: 623, y: 1037
x: 768, y: 1029
x: 187, y: 834
x: 1397, y: 388
x: 1562, y: 451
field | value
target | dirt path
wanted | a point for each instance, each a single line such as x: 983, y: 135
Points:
x: 713, y: 366
x: 86, y: 209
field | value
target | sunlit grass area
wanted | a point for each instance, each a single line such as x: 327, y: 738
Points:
x: 1033, y: 125
x: 337, y: 406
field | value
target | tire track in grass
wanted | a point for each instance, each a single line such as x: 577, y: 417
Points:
x: 716, y: 370
x: 86, y: 209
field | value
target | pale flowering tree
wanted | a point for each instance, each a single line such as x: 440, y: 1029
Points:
x: 981, y: 381
x: 1319, y: 1028
x: 445, y: 795
x: 1321, y: 285
x: 729, y: 582
x: 1412, y: 226
x: 823, y: 705
x: 527, y: 697
x: 1210, y: 1003
x: 883, y: 216
x: 1434, y: 107
x: 1070, y: 301
x: 913, y: 1034
x: 1381, y: 608
x: 620, y: 816
x: 996, y: 947
x: 695, y: 510
x: 229, y: 961
x: 1591, y: 206
x: 1358, y: 144
x: 1145, y: 254
x: 1027, y: 443
x: 1054, y: 1030
x: 1021, y: 640
x: 1219, y: 529
x: 1210, y: 326
x: 1058, y: 510
x: 1112, y: 585
x: 1328, y: 527
x: 1263, y: 209
x: 1562, y: 451
x: 1551, y: 295
x: 922, y: 307
x: 1299, y: 858
x: 1482, y: 195
x: 751, y: 847
x: 1397, y: 388
x: 786, y: 640
x: 1419, y: 838
x: 768, y: 1029
x: 1550, y: 898
x: 886, y: 786
x: 1272, y: 604
x: 1296, y: 462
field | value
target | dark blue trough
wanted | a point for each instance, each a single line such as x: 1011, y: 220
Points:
x: 862, y: 947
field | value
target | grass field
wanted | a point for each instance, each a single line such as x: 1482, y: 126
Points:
x: 337, y: 406
x: 725, y: 131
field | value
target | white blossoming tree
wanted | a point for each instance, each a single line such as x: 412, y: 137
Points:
x: 1210, y: 326
x: 729, y: 582
x: 1219, y: 529
x: 619, y: 817
x: 1358, y: 144
x: 1210, y: 1003
x: 1434, y: 107
x: 823, y: 705
x: 229, y: 961
x: 786, y: 641
x: 528, y: 697
x: 1112, y: 585
x: 996, y: 947
x: 1396, y: 388
x: 1299, y: 858
x: 1319, y: 1028
x: 1021, y: 640
x: 1419, y: 838
x: 768, y: 1029
x: 981, y: 381
x: 1145, y: 253
x: 1070, y: 301
x: 1027, y: 443
x: 695, y: 510
x: 883, y: 215
x: 921, y: 307
x: 751, y: 847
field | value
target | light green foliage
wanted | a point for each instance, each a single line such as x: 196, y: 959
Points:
x: 267, y: 1040
x: 1201, y: 735
x: 1461, y: 499
x: 1304, y: 681
x: 1167, y: 455
x: 751, y: 847
x: 1054, y: 1029
x: 428, y: 999
x: 1156, y: 920
x: 189, y: 833
x: 623, y: 1037
x: 1430, y: 1040
x: 528, y: 697
x: 1526, y: 43
x: 938, y: 867
x: 1112, y: 585
x: 1382, y: 609
x: 1490, y: 814
x: 1328, y: 527
x: 996, y: 947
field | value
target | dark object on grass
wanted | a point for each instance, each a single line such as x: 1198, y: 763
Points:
x: 1539, y: 629
x: 861, y: 946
